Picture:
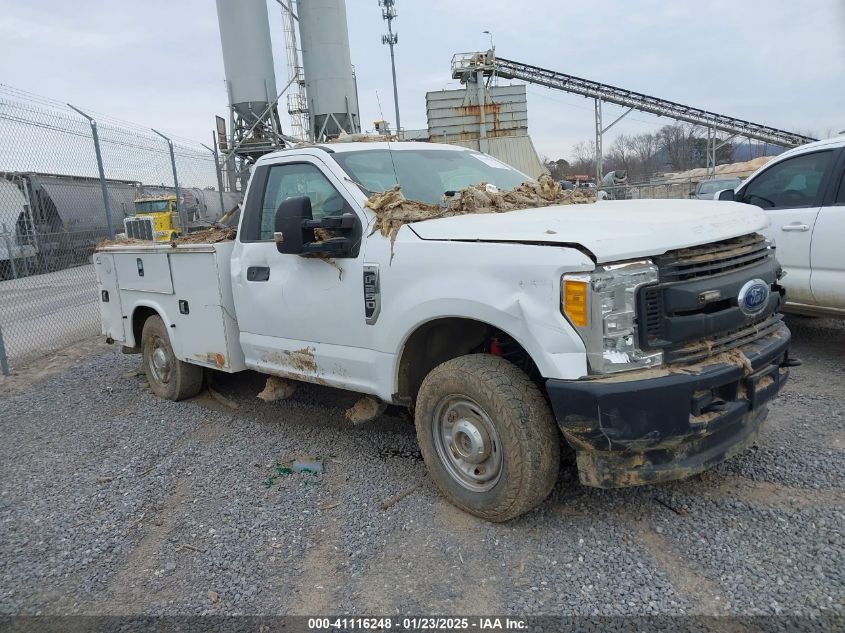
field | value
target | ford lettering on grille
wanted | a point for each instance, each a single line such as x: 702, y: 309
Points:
x: 753, y: 296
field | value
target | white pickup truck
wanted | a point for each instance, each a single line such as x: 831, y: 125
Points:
x: 645, y: 332
x: 803, y: 193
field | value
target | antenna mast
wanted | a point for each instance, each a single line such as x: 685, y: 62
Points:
x: 388, y: 13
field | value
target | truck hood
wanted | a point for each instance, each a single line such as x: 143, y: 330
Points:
x: 610, y: 230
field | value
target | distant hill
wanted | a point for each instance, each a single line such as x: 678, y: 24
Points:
x: 744, y: 152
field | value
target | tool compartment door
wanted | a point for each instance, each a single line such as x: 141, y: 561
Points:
x: 199, y: 318
x: 147, y: 272
x: 108, y: 294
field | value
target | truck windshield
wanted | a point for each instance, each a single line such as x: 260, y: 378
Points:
x: 151, y: 206
x: 426, y: 174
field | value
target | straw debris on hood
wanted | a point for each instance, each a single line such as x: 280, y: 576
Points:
x: 393, y: 210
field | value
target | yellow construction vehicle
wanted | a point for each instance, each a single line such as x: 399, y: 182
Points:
x: 155, y: 219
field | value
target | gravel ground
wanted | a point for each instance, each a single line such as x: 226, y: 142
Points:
x: 115, y: 502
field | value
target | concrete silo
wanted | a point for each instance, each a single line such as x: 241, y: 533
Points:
x: 250, y: 77
x: 327, y: 65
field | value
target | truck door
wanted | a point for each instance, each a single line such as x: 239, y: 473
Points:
x: 301, y: 317
x: 827, y: 260
x: 790, y: 192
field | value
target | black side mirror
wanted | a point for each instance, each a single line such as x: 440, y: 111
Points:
x: 289, y: 235
x: 727, y: 194
x: 294, y: 231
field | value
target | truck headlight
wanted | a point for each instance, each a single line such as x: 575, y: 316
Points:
x: 601, y: 306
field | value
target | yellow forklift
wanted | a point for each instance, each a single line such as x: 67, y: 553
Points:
x: 155, y: 219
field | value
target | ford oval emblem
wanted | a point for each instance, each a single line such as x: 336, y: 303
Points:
x: 753, y: 296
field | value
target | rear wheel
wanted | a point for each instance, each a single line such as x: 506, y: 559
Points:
x: 169, y: 377
x: 487, y: 436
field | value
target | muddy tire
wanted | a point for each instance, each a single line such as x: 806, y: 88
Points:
x: 169, y: 377
x: 488, y: 437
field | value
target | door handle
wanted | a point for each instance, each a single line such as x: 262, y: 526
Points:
x: 795, y: 227
x: 258, y: 273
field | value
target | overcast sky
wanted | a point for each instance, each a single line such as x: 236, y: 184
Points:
x: 158, y: 63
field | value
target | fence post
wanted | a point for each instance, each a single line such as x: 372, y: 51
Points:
x: 4, y: 361
x: 96, y: 137
x: 218, y: 170
x: 180, y: 208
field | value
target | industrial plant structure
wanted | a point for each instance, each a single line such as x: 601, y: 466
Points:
x: 324, y: 99
x: 250, y: 77
x: 326, y: 60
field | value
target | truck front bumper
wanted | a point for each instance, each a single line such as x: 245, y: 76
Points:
x: 667, y: 424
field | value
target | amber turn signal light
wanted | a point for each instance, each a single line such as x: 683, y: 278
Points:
x: 575, y: 302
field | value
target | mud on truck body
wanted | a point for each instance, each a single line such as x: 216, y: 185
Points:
x: 643, y: 334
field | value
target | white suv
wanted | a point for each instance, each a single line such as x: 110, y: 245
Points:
x: 803, y: 193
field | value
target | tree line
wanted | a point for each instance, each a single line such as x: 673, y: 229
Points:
x: 672, y: 148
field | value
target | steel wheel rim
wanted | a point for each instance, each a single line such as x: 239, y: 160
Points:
x: 467, y: 443
x: 159, y: 362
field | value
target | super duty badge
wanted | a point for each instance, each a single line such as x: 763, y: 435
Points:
x: 372, y: 293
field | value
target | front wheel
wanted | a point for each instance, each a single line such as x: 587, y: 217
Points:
x: 487, y: 436
x: 169, y: 377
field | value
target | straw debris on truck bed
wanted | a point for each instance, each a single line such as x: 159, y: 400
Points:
x: 208, y: 236
x: 393, y: 210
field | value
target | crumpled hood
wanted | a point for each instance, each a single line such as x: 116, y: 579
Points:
x: 610, y: 230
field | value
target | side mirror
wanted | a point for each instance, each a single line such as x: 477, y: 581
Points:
x: 726, y: 194
x: 289, y: 235
x: 294, y: 230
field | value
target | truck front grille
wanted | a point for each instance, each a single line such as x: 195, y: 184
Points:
x: 693, y: 311
x: 139, y: 228
x: 714, y: 258
x: 651, y: 317
x: 697, y: 351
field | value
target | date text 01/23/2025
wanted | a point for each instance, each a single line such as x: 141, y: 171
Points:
x: 481, y: 623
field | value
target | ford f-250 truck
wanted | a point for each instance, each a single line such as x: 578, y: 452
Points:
x: 646, y: 332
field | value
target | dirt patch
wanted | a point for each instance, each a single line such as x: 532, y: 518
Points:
x: 766, y: 493
x: 686, y: 579
x: 35, y: 371
x: 732, y: 357
x: 393, y: 210
x: 302, y: 359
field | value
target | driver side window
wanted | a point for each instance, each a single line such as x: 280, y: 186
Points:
x: 295, y: 180
x: 794, y: 182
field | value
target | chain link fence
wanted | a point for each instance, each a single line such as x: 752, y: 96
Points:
x: 665, y: 190
x: 68, y: 178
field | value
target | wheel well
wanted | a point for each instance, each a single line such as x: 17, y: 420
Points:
x: 435, y: 342
x: 139, y: 317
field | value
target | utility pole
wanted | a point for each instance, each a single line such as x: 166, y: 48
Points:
x: 388, y: 13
